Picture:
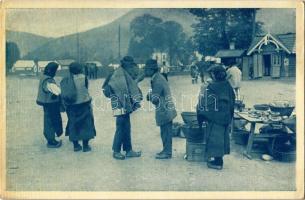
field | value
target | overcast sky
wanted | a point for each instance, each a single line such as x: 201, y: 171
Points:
x: 59, y: 22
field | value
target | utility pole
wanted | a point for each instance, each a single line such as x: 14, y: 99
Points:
x: 77, y: 37
x: 119, y: 42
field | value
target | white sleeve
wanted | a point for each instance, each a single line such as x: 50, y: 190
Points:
x: 53, y: 88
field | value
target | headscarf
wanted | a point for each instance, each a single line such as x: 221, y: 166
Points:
x: 75, y: 68
x: 50, y: 69
x: 218, y: 71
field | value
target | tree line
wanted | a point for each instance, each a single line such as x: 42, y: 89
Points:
x: 214, y: 30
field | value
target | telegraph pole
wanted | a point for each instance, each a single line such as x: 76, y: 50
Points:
x: 119, y: 42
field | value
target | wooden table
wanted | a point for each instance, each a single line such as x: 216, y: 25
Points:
x: 253, y: 121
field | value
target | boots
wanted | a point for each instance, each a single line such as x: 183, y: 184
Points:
x: 217, y: 163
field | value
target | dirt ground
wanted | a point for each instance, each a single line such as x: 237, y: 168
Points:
x: 33, y: 167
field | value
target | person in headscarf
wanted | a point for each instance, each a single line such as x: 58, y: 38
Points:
x: 160, y: 96
x: 216, y: 107
x: 49, y: 98
x: 125, y: 95
x: 80, y: 124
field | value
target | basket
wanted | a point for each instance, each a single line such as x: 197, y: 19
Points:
x: 261, y: 107
x: 189, y: 117
x: 284, y: 111
x: 282, y: 151
x: 193, y: 133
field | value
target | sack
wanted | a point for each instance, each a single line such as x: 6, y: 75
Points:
x: 68, y: 90
x: 106, y: 87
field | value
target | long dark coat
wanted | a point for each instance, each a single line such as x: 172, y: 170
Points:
x: 162, y: 99
x: 216, y: 107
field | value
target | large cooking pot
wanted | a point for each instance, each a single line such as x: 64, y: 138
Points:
x: 193, y: 133
x: 189, y: 117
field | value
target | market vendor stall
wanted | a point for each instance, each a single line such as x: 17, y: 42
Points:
x: 275, y: 117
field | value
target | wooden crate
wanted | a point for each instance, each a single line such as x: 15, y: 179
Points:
x: 195, y: 152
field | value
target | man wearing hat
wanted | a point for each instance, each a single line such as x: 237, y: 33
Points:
x: 216, y: 107
x: 121, y: 87
x: 160, y: 96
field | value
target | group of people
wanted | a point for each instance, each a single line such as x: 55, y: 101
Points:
x: 121, y: 87
x: 234, y: 74
x: 80, y: 126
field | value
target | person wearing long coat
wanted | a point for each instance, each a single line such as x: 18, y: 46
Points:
x: 160, y: 96
x: 216, y: 107
x: 125, y: 95
x: 80, y: 124
x: 49, y: 98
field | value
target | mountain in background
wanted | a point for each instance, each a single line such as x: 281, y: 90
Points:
x: 26, y: 42
x: 101, y: 43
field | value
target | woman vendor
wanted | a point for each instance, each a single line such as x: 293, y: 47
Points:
x: 216, y: 107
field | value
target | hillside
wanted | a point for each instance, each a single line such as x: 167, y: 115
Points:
x: 101, y: 43
x: 26, y: 42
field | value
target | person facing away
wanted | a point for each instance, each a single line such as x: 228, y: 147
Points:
x: 216, y: 107
x: 160, y: 96
x: 80, y: 124
x: 194, y: 73
x: 49, y: 98
x: 234, y: 77
x: 203, y: 66
x: 164, y: 70
x: 125, y: 95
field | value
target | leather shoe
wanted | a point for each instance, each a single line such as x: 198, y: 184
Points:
x: 77, y: 147
x: 55, y: 144
x: 163, y: 156
x: 118, y: 156
x: 161, y: 152
x: 132, y: 153
x: 212, y: 165
x: 86, y: 148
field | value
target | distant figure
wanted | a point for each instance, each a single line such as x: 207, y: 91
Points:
x: 86, y: 69
x: 251, y: 72
x: 49, y: 98
x: 203, y: 67
x: 234, y: 78
x: 194, y: 74
x: 92, y: 68
x: 164, y: 70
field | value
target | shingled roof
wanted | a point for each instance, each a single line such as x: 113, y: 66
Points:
x: 230, y: 53
x: 285, y: 41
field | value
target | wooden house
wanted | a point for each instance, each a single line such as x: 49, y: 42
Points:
x: 24, y: 65
x: 270, y: 55
x: 160, y: 57
x: 230, y: 55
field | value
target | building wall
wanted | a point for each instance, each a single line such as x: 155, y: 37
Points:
x: 292, y: 65
x: 286, y: 70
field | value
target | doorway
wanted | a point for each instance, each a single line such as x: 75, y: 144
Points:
x: 267, y: 65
